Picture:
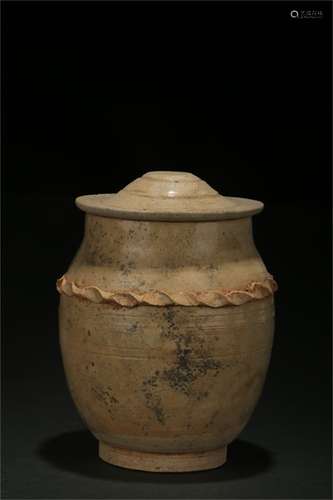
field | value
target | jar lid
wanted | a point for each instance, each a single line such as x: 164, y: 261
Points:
x: 168, y: 196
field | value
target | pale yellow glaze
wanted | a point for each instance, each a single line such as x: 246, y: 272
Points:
x: 166, y: 332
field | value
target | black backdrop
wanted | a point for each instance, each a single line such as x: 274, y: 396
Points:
x: 94, y: 95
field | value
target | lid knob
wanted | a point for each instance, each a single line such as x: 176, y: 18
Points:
x: 165, y: 184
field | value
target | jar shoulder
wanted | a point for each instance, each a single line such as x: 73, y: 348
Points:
x: 119, y: 254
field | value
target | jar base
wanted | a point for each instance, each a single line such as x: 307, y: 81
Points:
x: 162, y: 462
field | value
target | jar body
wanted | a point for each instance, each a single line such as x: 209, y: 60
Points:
x: 165, y: 344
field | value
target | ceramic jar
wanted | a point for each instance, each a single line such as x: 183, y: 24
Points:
x: 166, y: 322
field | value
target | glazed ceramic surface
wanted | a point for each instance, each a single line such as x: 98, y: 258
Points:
x: 166, y: 322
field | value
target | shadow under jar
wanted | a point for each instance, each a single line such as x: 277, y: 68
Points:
x: 166, y: 322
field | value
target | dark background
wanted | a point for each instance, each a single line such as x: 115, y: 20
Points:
x: 94, y: 95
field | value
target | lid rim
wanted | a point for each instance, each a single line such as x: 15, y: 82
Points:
x: 168, y: 196
x: 253, y: 207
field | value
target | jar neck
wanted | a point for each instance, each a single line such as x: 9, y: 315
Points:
x: 170, y: 245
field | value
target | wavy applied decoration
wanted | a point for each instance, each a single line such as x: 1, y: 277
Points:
x: 255, y: 290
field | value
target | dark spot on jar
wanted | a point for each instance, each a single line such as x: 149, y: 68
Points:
x: 153, y: 400
x: 132, y: 328
x: 201, y: 396
x: 187, y: 370
x: 106, y: 397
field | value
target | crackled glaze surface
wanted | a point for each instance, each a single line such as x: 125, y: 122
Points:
x: 166, y: 332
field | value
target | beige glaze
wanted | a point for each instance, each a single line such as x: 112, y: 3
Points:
x: 166, y: 331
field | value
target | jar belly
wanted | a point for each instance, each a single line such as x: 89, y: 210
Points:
x: 166, y: 379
